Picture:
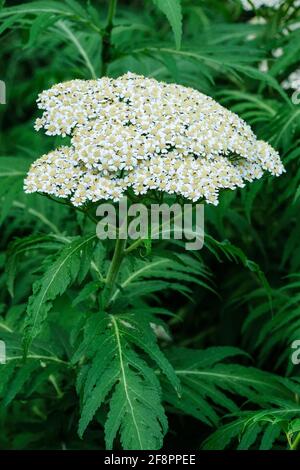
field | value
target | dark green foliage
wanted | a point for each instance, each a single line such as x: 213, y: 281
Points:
x: 193, y: 349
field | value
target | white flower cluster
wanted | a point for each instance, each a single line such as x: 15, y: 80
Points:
x: 293, y: 81
x: 250, y: 4
x: 135, y: 132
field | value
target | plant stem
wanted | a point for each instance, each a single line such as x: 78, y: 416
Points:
x: 111, y: 13
x: 40, y: 358
x: 106, y: 42
x: 115, y: 265
x: 134, y: 245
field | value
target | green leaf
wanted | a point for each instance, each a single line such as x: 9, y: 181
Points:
x: 71, y: 36
x: 112, y: 345
x: 22, y: 375
x: 221, y: 438
x: 56, y: 279
x: 236, y: 254
x: 209, y: 383
x: 271, y: 433
x: 248, y: 427
x: 36, y: 8
x: 172, y: 10
x: 135, y: 407
x: 88, y: 290
x: 141, y: 277
x: 22, y: 246
x: 39, y: 25
x: 12, y: 173
x: 249, y: 436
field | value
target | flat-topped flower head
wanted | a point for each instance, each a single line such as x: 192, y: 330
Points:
x: 135, y: 132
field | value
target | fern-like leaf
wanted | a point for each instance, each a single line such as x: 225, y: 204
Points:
x: 56, y: 279
x: 23, y: 246
x: 139, y: 277
x: 117, y: 370
x: 258, y: 429
x: 210, y: 383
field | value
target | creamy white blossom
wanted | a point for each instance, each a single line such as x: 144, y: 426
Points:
x: 140, y: 134
x: 275, y: 4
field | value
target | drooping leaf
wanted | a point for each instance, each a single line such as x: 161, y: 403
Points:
x: 172, y: 10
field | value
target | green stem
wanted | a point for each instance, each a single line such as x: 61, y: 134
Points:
x: 115, y: 265
x: 134, y: 245
x: 40, y: 358
x: 106, y: 41
x: 111, y: 13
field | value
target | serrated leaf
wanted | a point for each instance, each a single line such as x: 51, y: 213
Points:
x: 56, y: 279
x: 22, y: 375
x: 116, y: 368
x: 208, y: 382
x: 19, y: 247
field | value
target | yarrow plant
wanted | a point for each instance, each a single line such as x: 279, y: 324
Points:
x: 121, y: 322
x: 132, y: 135
x: 137, y: 133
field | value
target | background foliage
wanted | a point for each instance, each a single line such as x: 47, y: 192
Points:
x: 217, y: 373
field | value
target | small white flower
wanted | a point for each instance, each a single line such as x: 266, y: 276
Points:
x: 293, y: 81
x: 275, y: 4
